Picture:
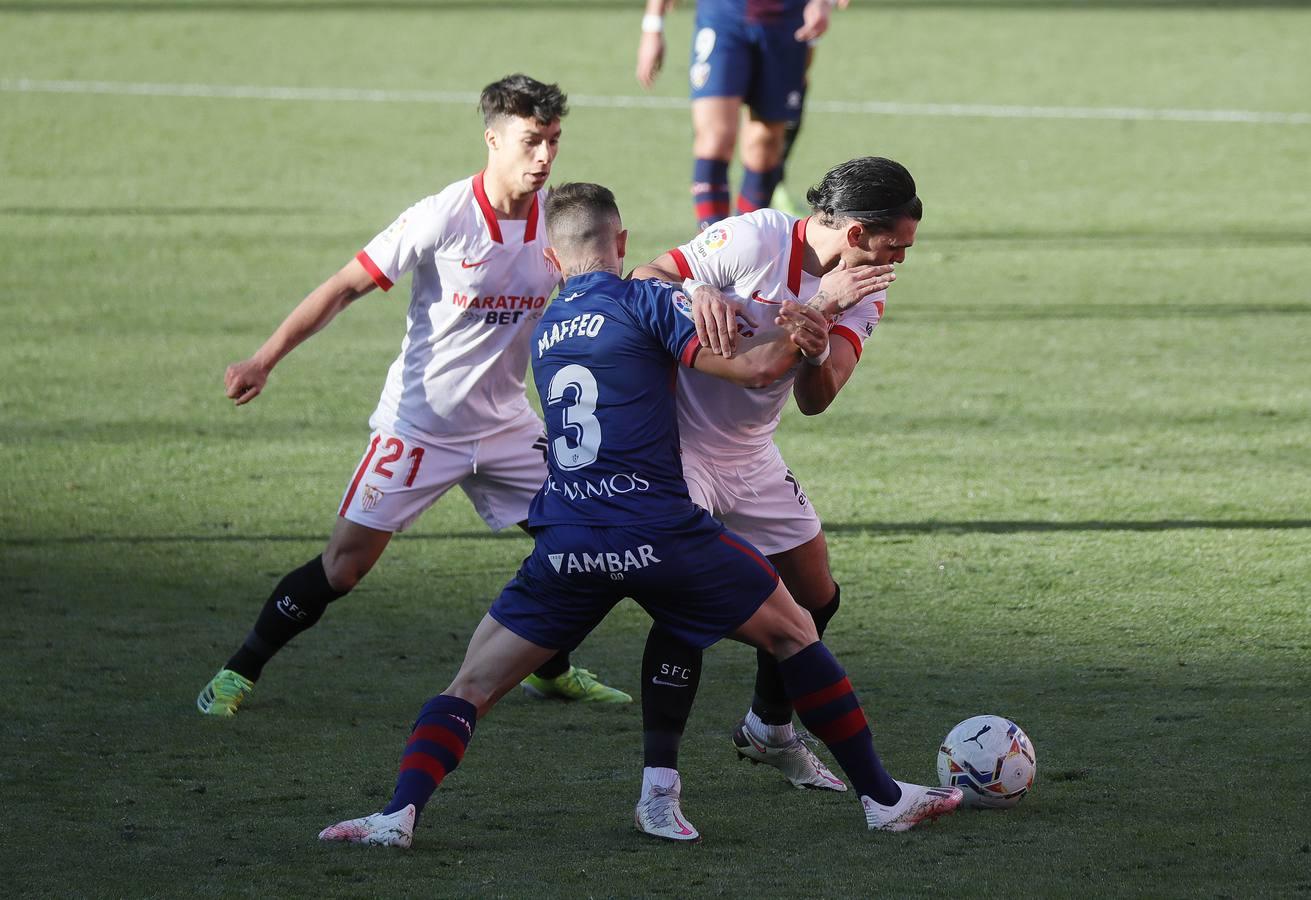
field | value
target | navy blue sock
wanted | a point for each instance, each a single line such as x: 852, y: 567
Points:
x: 757, y: 189
x: 709, y: 191
x: 436, y: 746
x: 827, y: 706
x: 770, y: 701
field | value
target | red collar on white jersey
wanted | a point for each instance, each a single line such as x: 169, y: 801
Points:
x: 493, y: 226
x: 797, y: 255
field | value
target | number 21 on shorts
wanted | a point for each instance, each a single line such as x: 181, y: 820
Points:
x: 393, y: 449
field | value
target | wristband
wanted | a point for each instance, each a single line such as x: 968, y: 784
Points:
x: 652, y: 24
x: 818, y: 360
x: 691, y: 284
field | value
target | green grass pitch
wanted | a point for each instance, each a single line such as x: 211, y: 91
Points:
x: 1070, y: 482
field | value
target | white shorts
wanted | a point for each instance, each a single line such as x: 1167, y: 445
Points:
x: 757, y: 496
x: 400, y: 477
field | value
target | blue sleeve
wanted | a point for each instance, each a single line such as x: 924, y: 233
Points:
x: 664, y: 312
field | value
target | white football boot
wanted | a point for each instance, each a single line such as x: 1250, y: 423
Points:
x: 917, y: 803
x: 794, y: 759
x: 378, y: 830
x: 659, y: 814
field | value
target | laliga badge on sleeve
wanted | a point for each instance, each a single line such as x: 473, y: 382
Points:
x: 712, y: 240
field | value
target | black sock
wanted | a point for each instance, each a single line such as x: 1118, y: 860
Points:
x: 770, y: 700
x: 671, y: 671
x: 295, y: 605
x: 790, y: 132
x: 555, y: 666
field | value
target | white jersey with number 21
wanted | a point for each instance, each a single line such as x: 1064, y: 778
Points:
x: 480, y: 285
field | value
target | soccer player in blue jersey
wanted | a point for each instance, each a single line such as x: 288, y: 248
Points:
x: 614, y: 520
x: 752, y: 52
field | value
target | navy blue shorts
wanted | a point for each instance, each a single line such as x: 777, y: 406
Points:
x: 765, y: 65
x: 693, y: 576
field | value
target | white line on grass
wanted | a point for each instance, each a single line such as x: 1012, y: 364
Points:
x: 461, y: 98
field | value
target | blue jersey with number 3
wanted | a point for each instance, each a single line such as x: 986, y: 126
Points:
x: 604, y: 360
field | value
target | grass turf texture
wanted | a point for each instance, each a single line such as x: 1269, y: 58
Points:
x: 1068, y: 483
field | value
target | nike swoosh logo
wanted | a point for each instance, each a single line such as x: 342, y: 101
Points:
x: 465, y: 264
x: 755, y: 295
x: 655, y: 680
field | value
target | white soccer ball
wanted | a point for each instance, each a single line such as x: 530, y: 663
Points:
x: 991, y: 759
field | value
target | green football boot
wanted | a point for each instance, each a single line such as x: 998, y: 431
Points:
x: 576, y: 684
x: 224, y: 693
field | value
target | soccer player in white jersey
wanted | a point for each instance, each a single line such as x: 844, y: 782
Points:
x: 453, y: 410
x: 865, y: 215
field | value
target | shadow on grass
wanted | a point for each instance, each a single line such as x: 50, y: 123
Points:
x: 1115, y: 311
x: 1139, y: 237
x: 430, y: 6
x: 981, y: 526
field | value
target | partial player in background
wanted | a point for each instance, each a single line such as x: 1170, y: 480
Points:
x: 783, y: 199
x: 453, y: 410
x: 614, y: 520
x: 752, y: 52
x: 865, y: 216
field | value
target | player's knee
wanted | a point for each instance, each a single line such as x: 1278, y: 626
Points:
x: 714, y: 142
x: 344, y: 570
x: 789, y: 632
x: 824, y: 613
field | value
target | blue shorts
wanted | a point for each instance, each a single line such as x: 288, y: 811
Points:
x: 765, y: 65
x: 692, y: 575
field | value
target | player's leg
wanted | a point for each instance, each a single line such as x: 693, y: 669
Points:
x: 537, y: 613
x: 773, y: 97
x: 508, y: 470
x: 297, y: 603
x: 714, y: 134
x: 762, y: 162
x: 768, y: 507
x: 765, y: 734
x: 396, y: 480
x: 828, y: 706
x: 805, y: 571
x: 671, y: 674
x: 718, y: 74
x: 496, y: 660
x: 783, y: 198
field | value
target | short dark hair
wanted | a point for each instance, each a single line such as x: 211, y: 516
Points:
x: 523, y: 98
x: 579, y: 214
x: 871, y: 190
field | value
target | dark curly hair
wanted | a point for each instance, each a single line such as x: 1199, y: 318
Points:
x: 871, y: 190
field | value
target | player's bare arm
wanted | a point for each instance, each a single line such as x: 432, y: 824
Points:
x: 814, y: 20
x: 651, y: 46
x: 713, y: 312
x: 246, y: 379
x: 817, y: 386
x: 765, y: 363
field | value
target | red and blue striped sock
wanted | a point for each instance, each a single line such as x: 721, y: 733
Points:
x: 827, y: 706
x: 436, y: 746
x: 757, y: 189
x: 709, y: 191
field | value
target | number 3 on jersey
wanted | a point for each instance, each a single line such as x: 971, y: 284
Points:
x: 575, y: 387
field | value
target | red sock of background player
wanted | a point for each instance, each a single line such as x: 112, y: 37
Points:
x: 826, y: 705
